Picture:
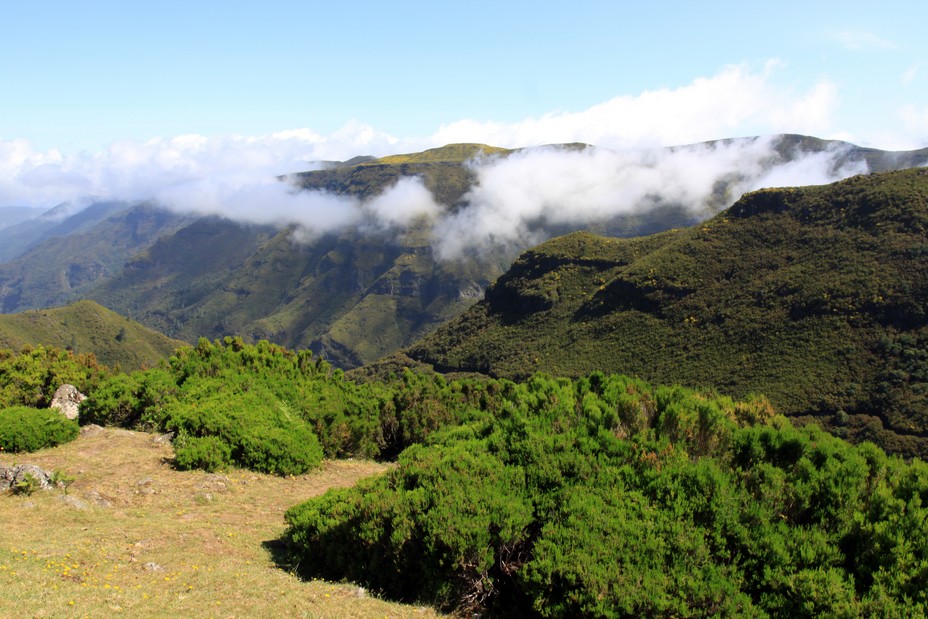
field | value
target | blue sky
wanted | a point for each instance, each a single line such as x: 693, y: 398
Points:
x: 276, y: 83
x: 80, y: 75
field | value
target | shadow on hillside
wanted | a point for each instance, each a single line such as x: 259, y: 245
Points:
x: 284, y: 557
x: 281, y: 553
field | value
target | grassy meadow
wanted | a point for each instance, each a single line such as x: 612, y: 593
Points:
x: 134, y: 537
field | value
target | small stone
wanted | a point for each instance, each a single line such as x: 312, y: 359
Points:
x: 73, y: 501
x: 151, y: 566
x: 91, y: 429
x: 163, y: 439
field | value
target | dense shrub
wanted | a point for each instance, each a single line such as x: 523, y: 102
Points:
x: 275, y: 408
x: 28, y: 429
x: 258, y: 431
x: 607, y: 498
x: 209, y: 453
x: 30, y: 377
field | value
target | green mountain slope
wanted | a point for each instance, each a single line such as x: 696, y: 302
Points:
x: 354, y: 295
x: 83, y: 250
x: 87, y: 327
x: 815, y: 297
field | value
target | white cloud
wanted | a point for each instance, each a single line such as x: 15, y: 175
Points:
x: 516, y: 197
x: 736, y: 101
x: 131, y: 170
x: 402, y: 204
x: 861, y: 40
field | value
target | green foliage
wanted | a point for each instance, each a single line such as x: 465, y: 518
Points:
x: 255, y: 432
x: 60, y: 479
x: 30, y: 429
x: 209, y: 453
x: 130, y: 400
x: 31, y: 377
x: 606, y: 497
x: 280, y: 411
x: 27, y: 485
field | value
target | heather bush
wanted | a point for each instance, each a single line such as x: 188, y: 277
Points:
x: 29, y: 429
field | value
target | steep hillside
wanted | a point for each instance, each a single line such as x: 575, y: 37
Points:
x: 813, y: 296
x: 61, y: 220
x: 353, y: 295
x: 88, y: 328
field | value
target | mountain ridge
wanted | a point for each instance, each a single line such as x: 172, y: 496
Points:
x: 352, y: 294
x: 813, y: 296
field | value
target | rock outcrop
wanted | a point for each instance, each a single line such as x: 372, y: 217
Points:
x: 68, y: 399
x: 11, y: 477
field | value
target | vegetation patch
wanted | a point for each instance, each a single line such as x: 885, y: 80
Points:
x: 30, y: 429
x: 606, y: 497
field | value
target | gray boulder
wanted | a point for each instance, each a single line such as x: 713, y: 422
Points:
x: 68, y: 400
x: 11, y: 476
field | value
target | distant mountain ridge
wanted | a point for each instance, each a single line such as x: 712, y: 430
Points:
x: 12, y: 215
x: 351, y: 295
x: 816, y: 297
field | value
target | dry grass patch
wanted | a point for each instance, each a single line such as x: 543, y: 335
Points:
x: 132, y: 536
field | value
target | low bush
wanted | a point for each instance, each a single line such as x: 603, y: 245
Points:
x: 256, y: 430
x: 209, y: 453
x: 29, y: 429
x: 607, y: 498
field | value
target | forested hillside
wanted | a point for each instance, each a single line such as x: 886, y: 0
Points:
x: 813, y: 296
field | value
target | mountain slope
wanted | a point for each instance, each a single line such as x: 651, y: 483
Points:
x: 12, y: 215
x: 61, y: 220
x: 363, y: 291
x: 79, y: 252
x: 87, y: 327
x: 814, y: 296
x: 351, y: 295
x: 355, y: 295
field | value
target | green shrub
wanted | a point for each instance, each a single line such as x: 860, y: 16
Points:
x: 30, y: 377
x: 114, y: 403
x: 209, y: 453
x: 280, y: 451
x: 27, y: 485
x: 607, y: 498
x: 29, y: 429
x: 130, y: 400
x: 258, y: 431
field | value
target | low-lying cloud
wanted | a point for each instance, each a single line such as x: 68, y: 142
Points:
x: 515, y: 198
x: 516, y: 201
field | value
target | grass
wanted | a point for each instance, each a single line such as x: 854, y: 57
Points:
x: 134, y: 537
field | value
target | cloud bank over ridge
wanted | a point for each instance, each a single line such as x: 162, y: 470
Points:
x: 236, y: 176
